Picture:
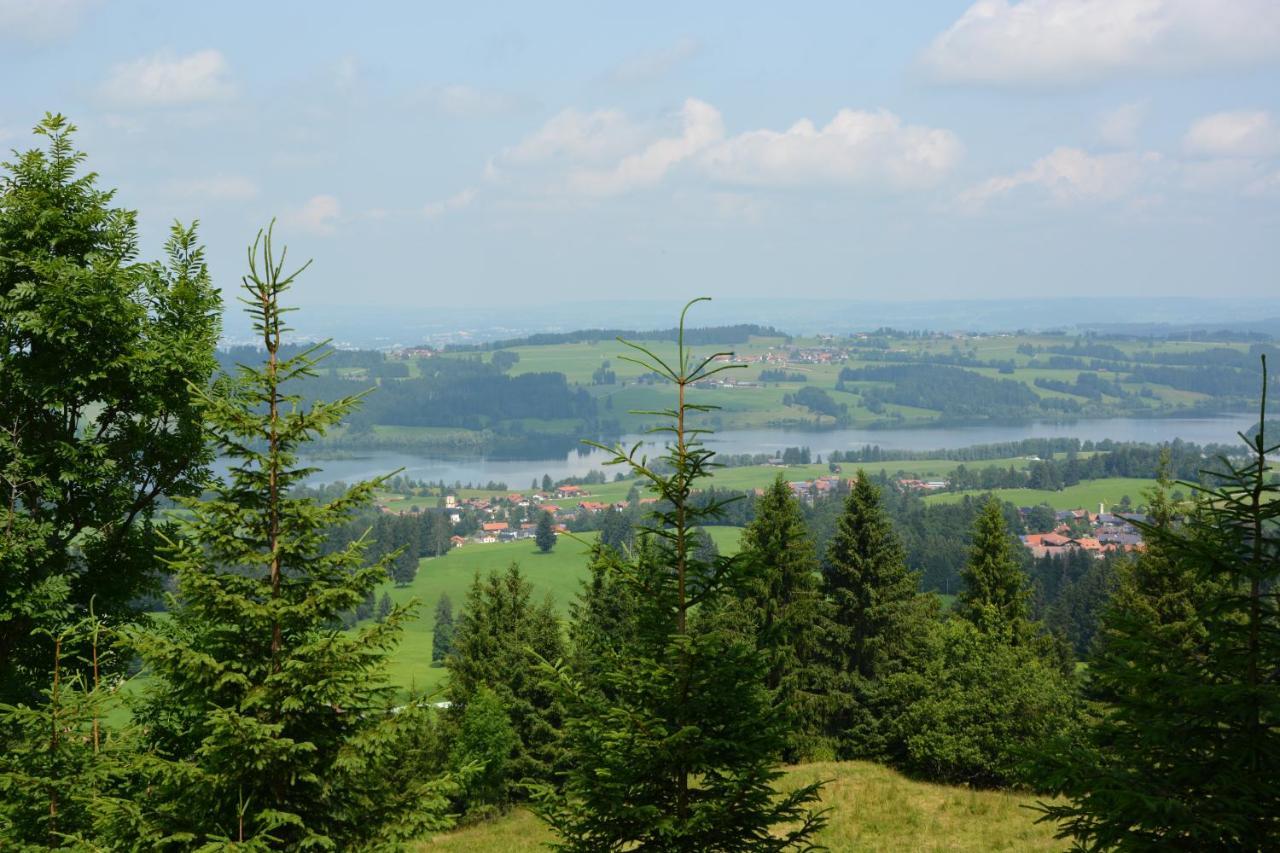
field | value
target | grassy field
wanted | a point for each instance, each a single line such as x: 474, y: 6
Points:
x: 557, y: 574
x: 872, y: 809
x: 1086, y: 495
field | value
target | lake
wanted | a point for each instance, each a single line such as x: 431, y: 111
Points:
x: 520, y: 474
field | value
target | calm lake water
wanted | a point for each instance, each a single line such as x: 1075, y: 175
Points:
x: 519, y: 475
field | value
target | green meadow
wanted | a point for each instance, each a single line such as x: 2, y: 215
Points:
x: 557, y: 574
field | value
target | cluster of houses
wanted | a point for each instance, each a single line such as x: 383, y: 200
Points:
x: 1080, y: 530
x: 922, y: 485
x: 808, y: 490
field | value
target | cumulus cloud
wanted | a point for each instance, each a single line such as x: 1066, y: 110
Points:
x: 168, y: 80
x: 216, y: 188
x: 1054, y: 42
x: 1235, y: 134
x: 319, y: 215
x: 1068, y: 175
x: 41, y: 20
x: 606, y: 153
x: 855, y: 148
x: 701, y: 127
x: 457, y: 201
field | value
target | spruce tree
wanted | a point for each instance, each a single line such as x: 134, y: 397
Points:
x: 273, y: 727
x: 442, y: 631
x: 1186, y: 751
x: 673, y: 738
x: 790, y: 616
x: 995, y: 594
x: 497, y: 640
x: 876, y: 612
x: 404, y: 566
x: 545, y: 535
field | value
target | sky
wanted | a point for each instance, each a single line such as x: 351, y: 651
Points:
x: 499, y: 155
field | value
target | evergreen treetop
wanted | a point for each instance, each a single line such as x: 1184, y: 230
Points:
x: 273, y: 726
x: 995, y: 594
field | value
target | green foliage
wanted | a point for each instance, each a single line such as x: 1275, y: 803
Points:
x: 877, y: 616
x: 672, y: 736
x: 482, y: 749
x: 63, y: 775
x: 545, y: 534
x: 1186, y: 751
x: 972, y: 705
x: 496, y: 639
x: 96, y: 424
x: 995, y: 594
x: 782, y: 599
x: 271, y: 726
x: 442, y: 631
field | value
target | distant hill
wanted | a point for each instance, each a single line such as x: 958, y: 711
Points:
x: 707, y: 336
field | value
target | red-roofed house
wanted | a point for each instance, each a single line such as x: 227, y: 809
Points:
x: 493, y: 526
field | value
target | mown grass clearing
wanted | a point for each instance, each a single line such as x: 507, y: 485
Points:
x: 873, y: 808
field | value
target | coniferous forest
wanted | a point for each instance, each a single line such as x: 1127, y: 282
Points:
x: 192, y: 660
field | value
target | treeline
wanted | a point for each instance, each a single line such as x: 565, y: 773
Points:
x: 708, y: 336
x: 953, y: 391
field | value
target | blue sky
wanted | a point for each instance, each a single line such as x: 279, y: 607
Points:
x: 433, y: 154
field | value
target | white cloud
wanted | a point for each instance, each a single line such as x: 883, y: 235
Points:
x: 1119, y: 127
x: 1055, y: 42
x: 646, y: 67
x: 319, y: 215
x: 40, y: 20
x: 168, y: 80
x: 457, y: 201
x: 1069, y: 175
x: 216, y: 188
x: 702, y: 126
x: 574, y: 136
x: 607, y: 153
x: 855, y: 148
x: 1235, y: 134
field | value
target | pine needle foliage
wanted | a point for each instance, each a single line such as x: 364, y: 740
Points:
x: 782, y: 598
x: 673, y: 738
x: 877, y: 613
x: 500, y: 624
x: 995, y: 594
x: 273, y: 726
x: 1187, y: 753
x: 64, y: 776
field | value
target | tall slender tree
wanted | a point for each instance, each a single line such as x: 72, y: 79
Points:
x: 498, y: 637
x: 96, y: 423
x: 273, y: 726
x: 545, y: 535
x: 876, y: 611
x: 672, y: 737
x: 783, y: 598
x: 995, y: 593
x: 442, y: 631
